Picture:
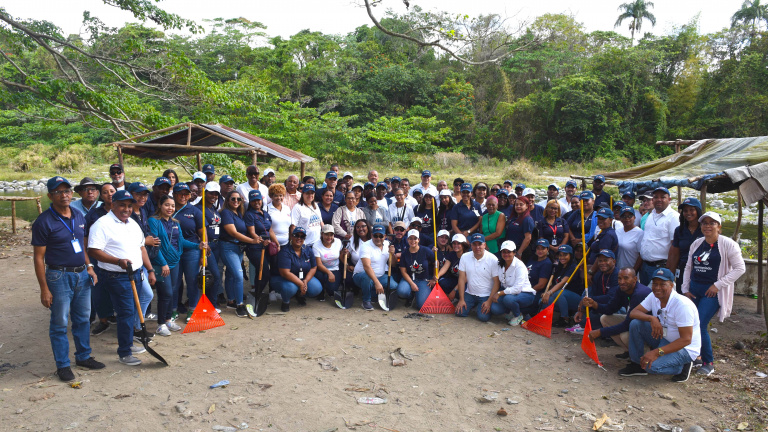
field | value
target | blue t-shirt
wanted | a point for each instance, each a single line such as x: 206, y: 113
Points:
x: 607, y: 239
x: 706, y: 263
x: 537, y: 213
x: 577, y: 281
x: 56, y: 233
x: 212, y: 222
x: 427, y: 236
x: 416, y: 264
x: 590, y: 223
x: 683, y: 238
x: 539, y: 270
x: 516, y: 230
x: 150, y: 205
x: 464, y: 216
x: 228, y: 217
x: 556, y: 231
x: 338, y: 197
x: 602, y: 198
x: 453, y: 257
x: 191, y: 220
x: 399, y: 245
x: 287, y: 259
x: 327, y: 216
x: 172, y: 231
x: 603, y: 285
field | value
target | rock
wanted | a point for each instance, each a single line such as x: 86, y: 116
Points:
x: 180, y: 408
x: 664, y: 427
x: 528, y: 342
x: 761, y: 374
x: 713, y: 330
x: 20, y: 411
x: 224, y: 428
x: 486, y: 398
x: 501, y: 412
x: 564, y: 391
x: 512, y: 402
x: 739, y: 345
x: 695, y: 428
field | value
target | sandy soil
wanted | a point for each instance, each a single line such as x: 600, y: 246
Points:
x: 305, y: 370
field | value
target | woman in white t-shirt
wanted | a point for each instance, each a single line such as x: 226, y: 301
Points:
x: 370, y: 273
x: 328, y: 253
x: 515, y: 291
x: 280, y: 214
x: 306, y: 214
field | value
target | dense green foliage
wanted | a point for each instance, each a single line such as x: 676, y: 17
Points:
x: 367, y: 96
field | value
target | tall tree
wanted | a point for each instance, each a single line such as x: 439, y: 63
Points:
x: 637, y: 11
x: 751, y: 12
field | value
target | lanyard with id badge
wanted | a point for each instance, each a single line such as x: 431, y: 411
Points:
x: 76, y: 247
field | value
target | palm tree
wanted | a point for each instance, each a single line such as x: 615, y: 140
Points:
x: 638, y: 10
x: 751, y: 11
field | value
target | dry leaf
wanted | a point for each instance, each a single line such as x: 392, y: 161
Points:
x: 212, y: 408
x: 76, y: 385
x: 357, y: 389
x: 742, y: 426
x: 600, y: 422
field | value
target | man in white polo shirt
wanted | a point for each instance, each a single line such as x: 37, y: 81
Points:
x: 659, y: 232
x: 116, y: 240
x: 478, y: 279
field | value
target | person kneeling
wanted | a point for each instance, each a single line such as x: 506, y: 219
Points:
x: 479, y: 277
x: 516, y: 291
x: 297, y: 266
x: 671, y: 330
x: 370, y: 272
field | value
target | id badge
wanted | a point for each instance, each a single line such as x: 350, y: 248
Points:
x: 301, y: 274
x: 677, y: 274
x: 76, y: 246
x: 216, y: 230
x: 554, y: 242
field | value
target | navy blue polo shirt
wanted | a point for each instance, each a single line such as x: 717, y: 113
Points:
x: 464, y: 216
x: 191, y: 220
x: 416, y: 264
x: 287, y: 259
x: 683, y: 238
x: 602, y: 198
x: 577, y: 281
x: 516, y: 230
x: 539, y: 270
x: 400, y: 245
x: 338, y: 197
x: 56, y: 232
x: 228, y: 217
x: 92, y: 217
x: 261, y: 223
x: 141, y: 219
x: 150, y: 205
x: 537, y: 213
x: 556, y: 231
x: 706, y: 263
x: 212, y: 222
x: 327, y: 216
x: 575, y: 224
x: 604, y: 285
x: 607, y: 239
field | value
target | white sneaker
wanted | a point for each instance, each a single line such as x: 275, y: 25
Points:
x: 130, y: 360
x: 172, y: 326
x: 137, y: 349
x: 162, y: 330
x: 272, y: 296
x: 516, y: 320
x: 218, y: 311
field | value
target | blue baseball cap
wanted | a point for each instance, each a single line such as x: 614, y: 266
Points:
x: 309, y: 187
x: 57, y: 181
x: 394, y: 179
x: 378, y: 229
x: 625, y: 210
x: 571, y: 183
x: 466, y: 187
x: 426, y: 173
x: 122, y: 195
x: 599, y: 177
x: 520, y: 186
x: 605, y: 213
x: 502, y: 191
x: 565, y: 249
x: 607, y: 253
x: 299, y: 230
x: 137, y: 187
x: 226, y: 178
x: 542, y: 242
x: 661, y: 189
x: 619, y: 204
x: 369, y: 185
x: 662, y: 273
x: 587, y: 195
x: 178, y: 187
x: 331, y: 174
x: 208, y: 169
x: 476, y: 237
x: 693, y: 202
x: 508, y: 181
x: 254, y: 195
x: 629, y: 194
x: 162, y: 181
x: 381, y: 184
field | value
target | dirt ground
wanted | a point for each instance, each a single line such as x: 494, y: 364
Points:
x: 305, y: 370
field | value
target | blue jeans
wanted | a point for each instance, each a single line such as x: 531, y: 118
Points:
x: 232, y: 258
x: 119, y: 287
x: 568, y: 301
x: 164, y: 288
x: 330, y: 287
x: 668, y: 364
x: 100, y: 300
x: 288, y: 289
x: 190, y: 268
x: 474, y: 301
x: 366, y: 284
x: 646, y: 273
x: 71, y: 294
x: 512, y: 303
x: 145, y: 297
x: 448, y: 284
x: 404, y: 291
x: 708, y: 307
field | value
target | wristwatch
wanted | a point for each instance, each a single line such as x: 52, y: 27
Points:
x: 90, y: 265
x: 661, y: 352
x: 150, y: 270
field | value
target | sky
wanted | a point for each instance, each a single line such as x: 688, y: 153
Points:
x: 285, y: 18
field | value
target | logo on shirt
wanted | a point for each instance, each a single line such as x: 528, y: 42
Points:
x: 530, y: 268
x: 455, y: 269
x: 702, y: 259
x: 427, y: 219
x: 314, y: 220
x: 416, y: 267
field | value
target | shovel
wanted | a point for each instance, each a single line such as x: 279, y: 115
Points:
x: 262, y: 297
x: 340, y: 296
x: 144, y: 340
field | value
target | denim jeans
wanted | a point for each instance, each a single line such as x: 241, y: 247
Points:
x: 232, y: 259
x: 164, y: 288
x: 119, y: 287
x: 404, y: 291
x: 71, y: 294
x: 474, y: 301
x: 145, y: 297
x: 512, y: 303
x: 646, y: 274
x: 366, y: 284
x: 190, y: 268
x: 288, y: 289
x: 329, y: 287
x: 100, y: 300
x: 448, y: 284
x: 708, y: 307
x: 668, y: 364
x: 568, y: 301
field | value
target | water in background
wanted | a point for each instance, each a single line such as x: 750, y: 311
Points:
x: 26, y: 210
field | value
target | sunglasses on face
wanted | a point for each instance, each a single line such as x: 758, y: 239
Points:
x: 235, y: 199
x: 299, y: 236
x: 399, y: 229
x: 378, y: 236
x: 251, y: 174
x: 115, y: 172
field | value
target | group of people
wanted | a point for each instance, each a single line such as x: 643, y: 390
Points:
x: 650, y: 276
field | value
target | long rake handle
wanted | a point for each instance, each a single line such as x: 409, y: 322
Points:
x: 434, y: 232
x: 136, y: 295
x: 569, y: 279
x: 205, y: 252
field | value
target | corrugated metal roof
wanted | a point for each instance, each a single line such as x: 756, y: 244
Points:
x: 261, y: 144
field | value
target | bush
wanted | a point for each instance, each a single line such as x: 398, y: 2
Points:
x: 68, y: 161
x: 27, y: 160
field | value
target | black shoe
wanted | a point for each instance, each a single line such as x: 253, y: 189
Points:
x: 241, y: 311
x: 100, y: 328
x: 697, y: 363
x: 112, y: 320
x: 285, y: 307
x: 685, y: 374
x: 560, y: 323
x: 65, y: 374
x: 623, y: 356
x: 137, y: 334
x: 409, y: 301
x: 90, y: 363
x: 301, y: 300
x: 632, y: 369
x: 321, y: 296
x: 221, y: 299
x: 607, y: 343
x: 231, y: 305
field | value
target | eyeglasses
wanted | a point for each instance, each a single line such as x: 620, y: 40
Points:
x: 712, y: 223
x: 90, y: 189
x: 62, y: 192
x: 299, y: 236
x: 235, y: 199
x: 399, y: 229
x: 399, y: 195
x: 378, y: 236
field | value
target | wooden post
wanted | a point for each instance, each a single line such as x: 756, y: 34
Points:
x: 199, y: 163
x: 735, y: 236
x: 39, y: 207
x: 120, y: 156
x: 760, y: 293
x: 303, y: 166
x: 703, y: 197
x: 255, y: 158
x: 583, y: 184
x: 13, y: 216
x: 679, y: 189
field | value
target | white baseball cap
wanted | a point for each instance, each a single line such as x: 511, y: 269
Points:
x: 443, y: 233
x: 212, y: 187
x: 712, y: 215
x: 445, y: 192
x: 459, y: 238
x: 509, y: 245
x: 268, y: 171
x: 417, y: 219
x: 414, y: 233
x: 528, y: 191
x: 348, y: 174
x: 198, y: 176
